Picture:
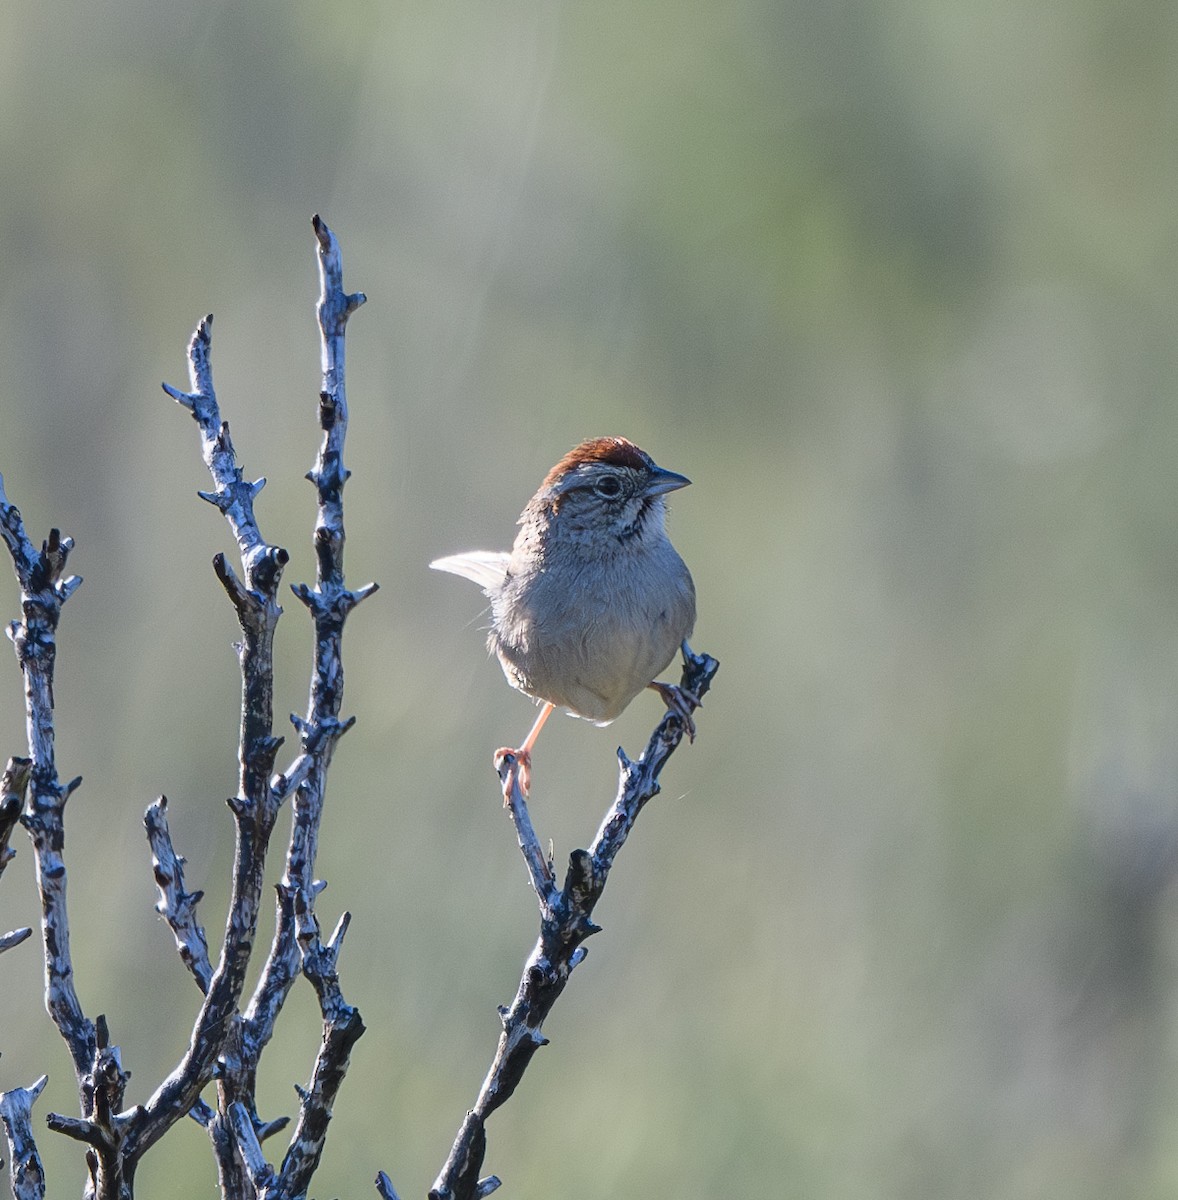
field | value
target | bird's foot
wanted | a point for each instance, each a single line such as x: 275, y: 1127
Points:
x: 681, y: 702
x: 522, y: 768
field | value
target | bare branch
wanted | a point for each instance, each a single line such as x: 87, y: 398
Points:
x: 296, y: 944
x: 565, y: 923
x: 342, y: 1028
x: 103, y: 1128
x: 238, y: 1039
x: 259, y: 1170
x: 232, y: 495
x: 255, y: 806
x: 539, y: 868
x: 224, y: 1040
x: 14, y: 937
x: 25, y: 1171
x: 175, y: 905
x: 384, y: 1187
x: 640, y: 780
x: 44, y: 590
x: 77, y: 1128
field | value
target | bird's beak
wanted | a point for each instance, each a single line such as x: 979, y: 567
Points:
x: 664, y: 481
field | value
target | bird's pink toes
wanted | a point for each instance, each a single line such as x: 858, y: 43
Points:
x: 522, y: 768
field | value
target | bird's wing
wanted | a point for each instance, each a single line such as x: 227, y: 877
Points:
x: 487, y: 568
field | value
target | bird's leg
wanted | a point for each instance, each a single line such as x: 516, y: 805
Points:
x: 530, y: 740
x: 523, y: 755
x: 680, y: 701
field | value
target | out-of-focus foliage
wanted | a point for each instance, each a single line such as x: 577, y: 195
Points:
x: 894, y: 284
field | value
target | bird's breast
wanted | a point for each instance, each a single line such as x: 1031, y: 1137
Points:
x: 589, y: 636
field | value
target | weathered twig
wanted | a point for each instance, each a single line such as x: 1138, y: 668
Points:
x: 255, y: 807
x: 116, y: 1139
x: 540, y: 872
x: 104, y: 1128
x: 261, y: 1175
x: 565, y: 923
x: 177, y: 905
x: 342, y: 1028
x: 330, y: 602
x: 26, y: 1173
x: 14, y: 937
x: 384, y: 1187
x: 296, y: 945
x: 45, y: 588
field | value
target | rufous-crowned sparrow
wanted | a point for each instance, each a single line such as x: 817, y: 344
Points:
x: 592, y: 601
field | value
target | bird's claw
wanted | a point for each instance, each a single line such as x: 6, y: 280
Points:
x: 521, y: 767
x: 681, y: 702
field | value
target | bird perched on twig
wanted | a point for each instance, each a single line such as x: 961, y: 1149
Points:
x: 592, y: 602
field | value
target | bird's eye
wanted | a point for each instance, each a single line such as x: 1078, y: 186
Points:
x: 608, y: 487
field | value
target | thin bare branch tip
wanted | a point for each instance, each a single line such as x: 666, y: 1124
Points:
x: 236, y: 590
x: 269, y: 1128
x: 183, y: 398
x: 16, y: 774
x: 202, y: 336
x: 384, y: 1187
x: 77, y: 1128
x: 14, y: 938
x: 336, y: 941
x: 66, y: 587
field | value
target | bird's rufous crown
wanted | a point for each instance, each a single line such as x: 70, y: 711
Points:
x: 616, y: 451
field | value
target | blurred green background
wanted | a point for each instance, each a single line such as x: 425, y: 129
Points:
x: 894, y: 283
